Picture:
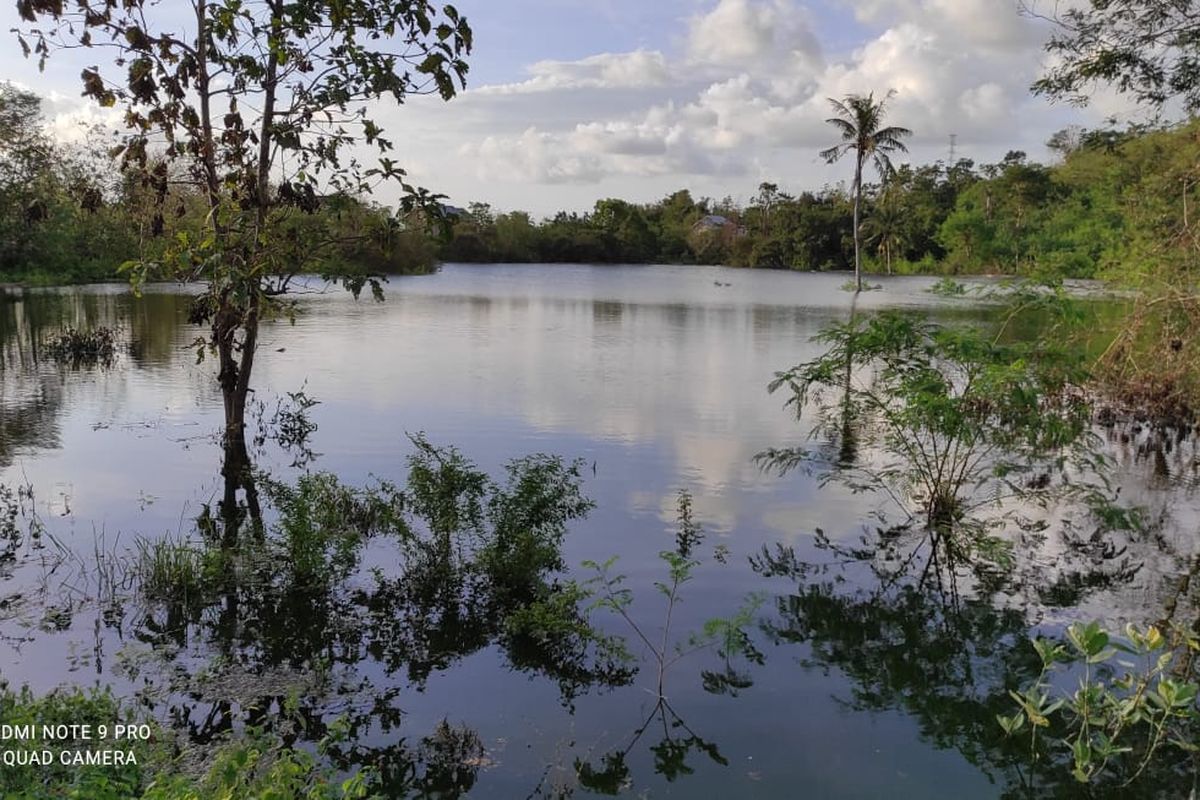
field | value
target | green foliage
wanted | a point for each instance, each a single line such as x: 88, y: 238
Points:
x: 76, y: 347
x: 996, y: 222
x: 1135, y: 702
x: 963, y: 421
x: 948, y: 287
x: 1143, y: 48
x: 59, y: 215
x: 254, y: 763
x: 96, y: 708
x: 477, y: 563
x: 556, y: 628
x: 322, y: 524
x: 258, y: 765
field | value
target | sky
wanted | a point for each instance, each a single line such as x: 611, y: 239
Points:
x: 571, y: 101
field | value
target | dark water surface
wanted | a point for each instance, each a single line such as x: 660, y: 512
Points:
x: 654, y: 376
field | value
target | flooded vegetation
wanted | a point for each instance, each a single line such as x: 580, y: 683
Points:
x: 551, y: 529
x: 924, y: 564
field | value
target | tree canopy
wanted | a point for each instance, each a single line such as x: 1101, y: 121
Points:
x: 262, y: 108
x: 1148, y: 49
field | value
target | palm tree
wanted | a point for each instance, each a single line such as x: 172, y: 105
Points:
x: 860, y: 121
x: 884, y: 229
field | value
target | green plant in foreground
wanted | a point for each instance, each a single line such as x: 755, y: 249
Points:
x: 953, y: 424
x: 257, y: 765
x: 253, y: 764
x: 1133, y: 702
x: 94, y: 707
x: 727, y: 635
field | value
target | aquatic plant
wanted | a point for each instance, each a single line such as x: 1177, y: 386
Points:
x: 290, y: 426
x: 19, y: 521
x: 1135, y: 704
x: 954, y: 425
x: 728, y: 636
x: 83, y: 347
x: 171, y: 568
x: 948, y: 287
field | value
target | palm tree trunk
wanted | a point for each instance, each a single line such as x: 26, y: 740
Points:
x: 857, y: 203
x: 848, y: 446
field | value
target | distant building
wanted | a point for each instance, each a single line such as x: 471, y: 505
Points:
x: 711, y: 222
x: 718, y: 223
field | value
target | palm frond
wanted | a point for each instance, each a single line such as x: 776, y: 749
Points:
x: 859, y: 120
x: 848, y: 129
x: 883, y: 164
x: 832, y: 154
x: 839, y: 107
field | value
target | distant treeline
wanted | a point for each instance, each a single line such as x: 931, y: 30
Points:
x: 68, y: 214
x: 1015, y: 217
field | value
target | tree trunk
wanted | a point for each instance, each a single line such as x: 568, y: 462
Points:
x: 237, y: 358
x: 858, y: 164
x: 848, y: 446
x: 236, y: 361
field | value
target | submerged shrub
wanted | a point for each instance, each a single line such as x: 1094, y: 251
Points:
x: 80, y: 348
x: 952, y: 424
x: 948, y: 287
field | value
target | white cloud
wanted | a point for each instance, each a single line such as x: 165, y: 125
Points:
x: 747, y: 93
x: 534, y: 157
x: 744, y: 32
x: 71, y: 120
x: 636, y: 70
x: 771, y: 38
x: 592, y: 151
x: 734, y: 94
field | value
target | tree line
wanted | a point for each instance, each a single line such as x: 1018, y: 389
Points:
x: 69, y: 213
x: 1079, y: 217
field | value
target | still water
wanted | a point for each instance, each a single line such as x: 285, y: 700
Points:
x: 655, y: 377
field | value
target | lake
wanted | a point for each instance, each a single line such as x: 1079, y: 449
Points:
x: 655, y: 378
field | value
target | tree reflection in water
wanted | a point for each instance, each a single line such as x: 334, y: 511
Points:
x: 457, y: 563
x: 908, y: 640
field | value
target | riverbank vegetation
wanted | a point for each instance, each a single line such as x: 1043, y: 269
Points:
x: 69, y: 214
x: 1110, y: 207
x: 277, y: 642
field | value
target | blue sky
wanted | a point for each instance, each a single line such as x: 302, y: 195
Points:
x: 570, y: 101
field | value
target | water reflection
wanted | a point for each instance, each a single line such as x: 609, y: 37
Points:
x: 910, y: 643
x: 464, y: 564
x: 456, y: 669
